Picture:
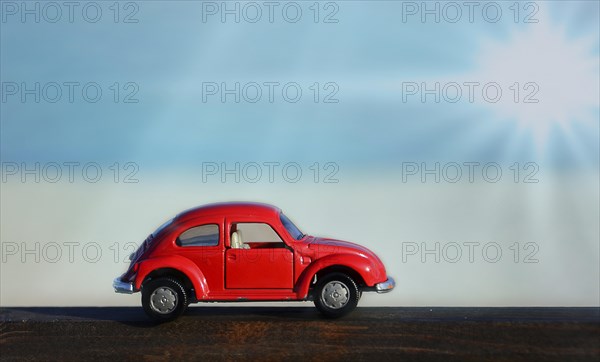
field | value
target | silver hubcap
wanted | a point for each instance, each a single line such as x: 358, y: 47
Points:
x: 163, y: 300
x: 335, y: 295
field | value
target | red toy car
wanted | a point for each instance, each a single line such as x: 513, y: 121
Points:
x: 231, y: 252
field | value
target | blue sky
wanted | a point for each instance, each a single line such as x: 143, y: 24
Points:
x: 367, y: 54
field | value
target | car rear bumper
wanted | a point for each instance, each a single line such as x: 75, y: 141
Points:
x: 386, y: 286
x: 123, y: 287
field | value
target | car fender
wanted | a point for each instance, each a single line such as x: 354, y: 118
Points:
x: 179, y: 263
x: 361, y: 265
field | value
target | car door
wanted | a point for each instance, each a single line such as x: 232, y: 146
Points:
x: 202, y: 242
x: 260, y: 260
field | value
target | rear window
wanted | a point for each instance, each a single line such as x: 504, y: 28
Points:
x: 204, y: 235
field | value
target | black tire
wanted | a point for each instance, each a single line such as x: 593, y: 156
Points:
x: 164, y: 299
x: 336, y: 295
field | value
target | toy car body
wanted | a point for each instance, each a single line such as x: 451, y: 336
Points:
x: 247, y: 252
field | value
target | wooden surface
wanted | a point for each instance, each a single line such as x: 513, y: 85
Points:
x: 251, y: 333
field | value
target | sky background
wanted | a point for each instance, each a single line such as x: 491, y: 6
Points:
x: 172, y: 136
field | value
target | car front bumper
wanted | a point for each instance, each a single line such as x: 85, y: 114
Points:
x: 123, y: 287
x: 386, y: 286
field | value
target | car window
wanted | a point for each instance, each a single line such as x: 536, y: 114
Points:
x: 290, y: 227
x: 204, y: 235
x: 257, y: 232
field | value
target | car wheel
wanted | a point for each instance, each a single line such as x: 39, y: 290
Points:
x: 336, y: 295
x: 164, y: 299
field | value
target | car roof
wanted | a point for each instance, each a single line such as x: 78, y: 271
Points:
x: 253, y: 209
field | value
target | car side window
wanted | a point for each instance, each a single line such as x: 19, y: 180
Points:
x: 262, y: 233
x: 204, y: 235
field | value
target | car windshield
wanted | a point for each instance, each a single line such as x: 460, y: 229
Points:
x: 290, y: 227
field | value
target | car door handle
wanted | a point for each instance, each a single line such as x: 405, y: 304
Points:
x: 231, y: 257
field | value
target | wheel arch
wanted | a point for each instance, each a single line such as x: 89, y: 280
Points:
x: 355, y: 267
x: 172, y: 273
x: 337, y: 268
x: 178, y: 267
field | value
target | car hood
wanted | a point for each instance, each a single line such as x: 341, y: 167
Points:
x: 325, y: 246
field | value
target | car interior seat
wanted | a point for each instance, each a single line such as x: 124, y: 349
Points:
x: 237, y: 241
